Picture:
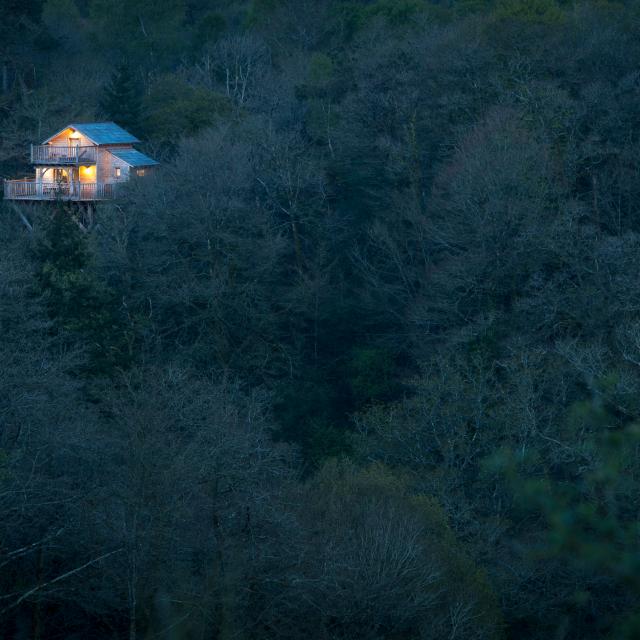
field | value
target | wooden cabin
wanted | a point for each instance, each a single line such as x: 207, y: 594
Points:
x: 82, y: 162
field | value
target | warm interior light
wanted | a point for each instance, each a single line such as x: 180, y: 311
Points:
x: 88, y: 173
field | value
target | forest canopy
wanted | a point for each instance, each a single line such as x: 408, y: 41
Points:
x: 361, y: 359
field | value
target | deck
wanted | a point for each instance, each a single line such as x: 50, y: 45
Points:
x: 73, y: 191
x: 63, y: 155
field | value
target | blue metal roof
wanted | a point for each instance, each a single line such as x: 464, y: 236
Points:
x: 103, y: 132
x: 133, y: 158
x: 100, y: 133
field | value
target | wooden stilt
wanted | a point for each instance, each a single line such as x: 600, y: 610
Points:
x: 82, y: 213
x: 23, y: 218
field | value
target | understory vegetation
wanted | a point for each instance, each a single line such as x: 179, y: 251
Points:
x: 361, y: 359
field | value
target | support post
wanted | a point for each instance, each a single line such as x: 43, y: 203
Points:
x: 23, y: 218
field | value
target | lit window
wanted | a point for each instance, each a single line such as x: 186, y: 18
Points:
x: 117, y: 172
x: 140, y: 172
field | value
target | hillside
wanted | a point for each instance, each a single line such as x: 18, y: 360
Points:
x: 361, y: 359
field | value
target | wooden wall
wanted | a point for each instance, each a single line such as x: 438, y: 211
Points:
x: 62, y: 140
x: 107, y: 164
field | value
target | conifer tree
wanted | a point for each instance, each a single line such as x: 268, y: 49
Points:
x: 80, y: 305
x: 121, y: 99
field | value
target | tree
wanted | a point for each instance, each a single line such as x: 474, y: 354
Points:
x: 148, y: 33
x: 82, y: 307
x: 122, y: 100
x: 197, y: 484
x: 361, y: 557
x: 176, y: 109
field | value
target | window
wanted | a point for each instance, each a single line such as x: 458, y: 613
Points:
x: 140, y: 172
x: 117, y: 172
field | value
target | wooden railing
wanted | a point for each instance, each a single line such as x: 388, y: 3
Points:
x: 49, y: 154
x: 33, y: 190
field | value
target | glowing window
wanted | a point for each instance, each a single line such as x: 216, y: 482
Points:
x: 140, y: 172
x: 117, y: 172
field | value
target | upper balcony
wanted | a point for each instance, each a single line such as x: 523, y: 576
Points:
x: 63, y: 155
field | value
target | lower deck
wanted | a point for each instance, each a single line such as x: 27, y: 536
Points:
x: 73, y: 191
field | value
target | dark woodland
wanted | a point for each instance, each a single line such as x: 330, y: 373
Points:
x: 361, y: 359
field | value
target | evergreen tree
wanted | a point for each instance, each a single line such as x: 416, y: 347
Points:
x: 121, y: 99
x: 79, y: 304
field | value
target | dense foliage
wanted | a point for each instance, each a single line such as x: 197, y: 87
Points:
x: 361, y: 361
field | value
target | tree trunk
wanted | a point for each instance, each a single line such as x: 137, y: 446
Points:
x: 37, y: 608
x: 5, y: 76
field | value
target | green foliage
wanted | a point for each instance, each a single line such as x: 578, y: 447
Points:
x: 585, y: 414
x: 355, y: 16
x: 147, y: 32
x: 542, y: 12
x: 19, y: 29
x: 122, y: 100
x: 319, y: 90
x: 81, y: 306
x: 3, y: 466
x: 64, y: 22
x: 465, y: 7
x: 260, y: 10
x: 340, y: 488
x: 388, y: 197
x: 175, y: 109
x: 592, y: 522
x: 398, y: 12
x: 307, y: 412
x: 210, y: 27
x: 326, y: 442
x: 370, y: 374
x: 321, y: 69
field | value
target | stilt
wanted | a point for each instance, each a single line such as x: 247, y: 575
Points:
x: 22, y: 217
x: 82, y: 213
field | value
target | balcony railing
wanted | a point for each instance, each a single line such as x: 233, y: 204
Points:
x: 49, y: 154
x: 78, y: 191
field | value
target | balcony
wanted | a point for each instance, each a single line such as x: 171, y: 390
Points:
x: 69, y: 155
x: 74, y: 191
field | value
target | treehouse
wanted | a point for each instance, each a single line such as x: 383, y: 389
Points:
x: 83, y: 163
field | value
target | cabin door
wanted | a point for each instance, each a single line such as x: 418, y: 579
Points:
x: 60, y: 176
x: 74, y: 148
x: 61, y: 180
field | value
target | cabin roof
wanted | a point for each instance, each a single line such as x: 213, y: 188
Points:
x: 100, y: 133
x: 133, y: 158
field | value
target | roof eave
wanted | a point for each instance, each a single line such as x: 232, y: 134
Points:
x: 55, y: 135
x: 138, y: 166
x: 152, y: 163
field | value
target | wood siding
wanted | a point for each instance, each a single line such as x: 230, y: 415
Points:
x: 107, y: 164
x: 62, y: 139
